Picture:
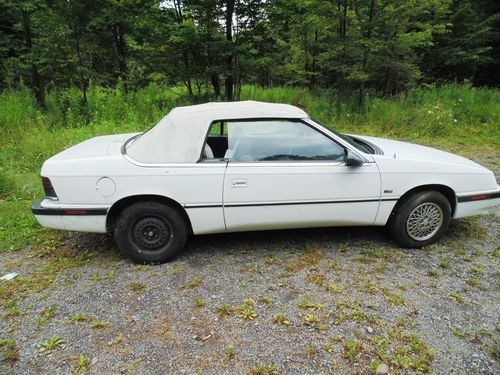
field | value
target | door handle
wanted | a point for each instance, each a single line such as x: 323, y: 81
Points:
x: 239, y: 183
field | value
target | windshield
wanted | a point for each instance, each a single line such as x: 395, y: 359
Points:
x: 358, y: 146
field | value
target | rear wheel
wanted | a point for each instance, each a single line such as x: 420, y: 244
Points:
x: 150, y: 232
x: 420, y: 219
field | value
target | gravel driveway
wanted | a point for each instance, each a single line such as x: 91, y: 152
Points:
x: 316, y: 301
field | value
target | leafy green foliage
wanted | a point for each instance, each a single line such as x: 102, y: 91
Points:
x: 47, y: 314
x: 79, y: 317
x: 82, y: 366
x: 196, y: 282
x: 355, y: 47
x: 137, y: 287
x: 247, y: 313
x: 99, y: 324
x: 50, y: 345
x: 224, y: 310
x: 200, y: 302
x: 10, y: 351
x: 280, y: 318
x: 351, y: 349
x: 230, y: 352
x: 264, y: 369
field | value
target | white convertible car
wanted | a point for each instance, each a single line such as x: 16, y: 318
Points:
x: 244, y: 166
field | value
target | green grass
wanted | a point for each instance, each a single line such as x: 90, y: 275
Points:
x: 456, y: 117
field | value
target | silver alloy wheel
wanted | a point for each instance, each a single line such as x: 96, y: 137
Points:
x: 424, y: 221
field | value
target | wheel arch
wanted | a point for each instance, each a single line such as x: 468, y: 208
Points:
x: 122, y: 203
x: 447, y: 191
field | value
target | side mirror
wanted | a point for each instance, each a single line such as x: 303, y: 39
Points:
x: 352, y: 160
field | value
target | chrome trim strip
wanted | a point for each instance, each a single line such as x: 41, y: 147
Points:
x: 208, y: 205
x: 292, y: 203
x: 77, y: 207
x: 221, y: 162
x: 38, y: 209
x: 286, y: 163
x: 173, y: 165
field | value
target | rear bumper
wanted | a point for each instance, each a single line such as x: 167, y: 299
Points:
x: 51, y: 214
x: 477, y: 203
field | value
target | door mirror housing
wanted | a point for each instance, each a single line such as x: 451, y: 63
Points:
x: 352, y: 159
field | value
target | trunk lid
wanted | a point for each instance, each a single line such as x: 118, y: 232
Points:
x: 94, y: 147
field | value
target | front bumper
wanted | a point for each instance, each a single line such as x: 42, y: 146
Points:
x: 51, y: 214
x: 477, y: 203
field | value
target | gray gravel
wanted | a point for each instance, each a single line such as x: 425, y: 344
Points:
x: 372, y: 294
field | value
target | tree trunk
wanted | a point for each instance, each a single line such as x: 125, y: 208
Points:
x: 83, y: 81
x: 368, y: 36
x: 178, y: 11
x: 36, y: 83
x: 121, y: 51
x: 344, y: 20
x: 237, y: 80
x: 339, y: 17
x: 189, y: 87
x: 214, y: 79
x: 387, y: 80
x: 188, y: 83
x: 229, y: 82
x: 314, y: 52
x: 306, y: 54
x: 185, y: 55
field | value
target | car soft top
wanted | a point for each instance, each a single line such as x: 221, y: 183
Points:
x: 180, y: 135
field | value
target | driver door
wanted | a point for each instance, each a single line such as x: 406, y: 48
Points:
x: 286, y: 174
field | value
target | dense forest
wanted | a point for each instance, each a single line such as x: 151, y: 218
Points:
x: 212, y: 47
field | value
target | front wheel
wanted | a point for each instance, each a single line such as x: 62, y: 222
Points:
x: 421, y: 219
x: 150, y: 232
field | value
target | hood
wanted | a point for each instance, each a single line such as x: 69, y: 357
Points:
x: 94, y: 147
x: 405, y: 150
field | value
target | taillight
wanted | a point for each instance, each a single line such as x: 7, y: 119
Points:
x: 48, y: 188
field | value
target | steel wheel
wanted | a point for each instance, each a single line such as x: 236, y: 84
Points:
x: 424, y: 221
x: 151, y: 233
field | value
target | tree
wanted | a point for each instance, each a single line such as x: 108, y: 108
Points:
x: 212, y: 47
x: 18, y: 43
x: 468, y: 44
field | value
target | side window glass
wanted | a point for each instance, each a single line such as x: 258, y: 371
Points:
x: 279, y: 141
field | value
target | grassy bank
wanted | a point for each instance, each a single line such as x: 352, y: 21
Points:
x: 456, y: 117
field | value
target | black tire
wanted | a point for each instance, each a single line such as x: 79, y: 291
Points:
x: 406, y: 232
x: 150, y: 232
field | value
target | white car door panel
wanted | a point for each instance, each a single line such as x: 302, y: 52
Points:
x: 274, y: 195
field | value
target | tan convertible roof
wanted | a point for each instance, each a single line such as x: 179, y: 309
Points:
x: 180, y: 135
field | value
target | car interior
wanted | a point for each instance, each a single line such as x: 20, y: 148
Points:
x: 216, y: 147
